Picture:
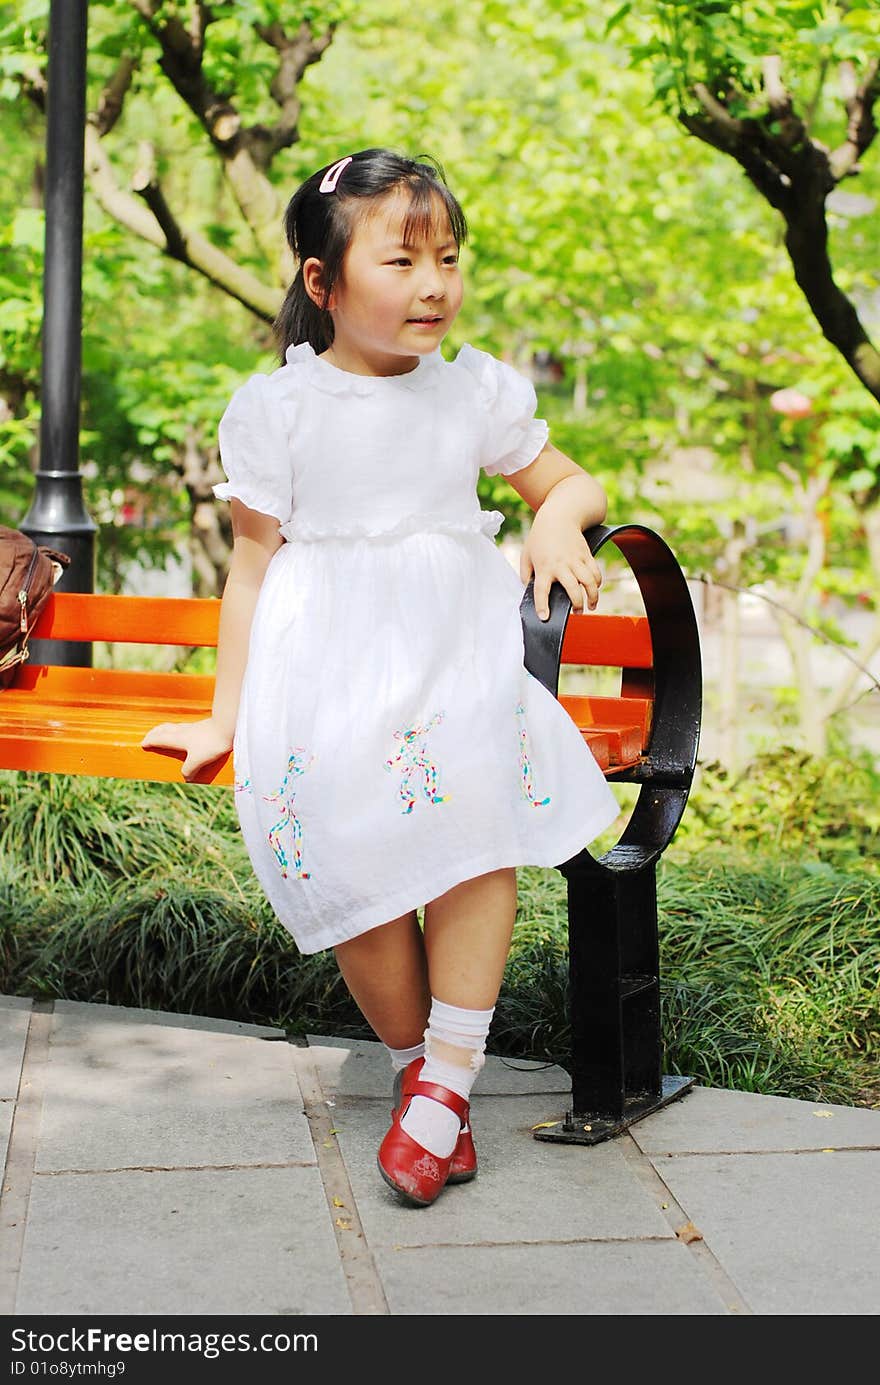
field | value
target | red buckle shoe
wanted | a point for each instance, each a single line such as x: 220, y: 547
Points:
x: 464, y: 1157
x: 407, y: 1166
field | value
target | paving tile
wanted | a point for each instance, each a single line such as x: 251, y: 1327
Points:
x: 624, y: 1278
x: 253, y: 1241
x: 526, y: 1190
x: 7, y: 1111
x: 14, y: 1021
x: 80, y: 1010
x: 797, y: 1233
x: 124, y: 1093
x: 361, y: 1067
x: 709, y: 1119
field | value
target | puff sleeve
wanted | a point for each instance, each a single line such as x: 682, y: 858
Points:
x: 255, y: 450
x: 513, y: 437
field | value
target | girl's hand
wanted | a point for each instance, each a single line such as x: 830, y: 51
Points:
x: 200, y: 741
x: 555, y: 550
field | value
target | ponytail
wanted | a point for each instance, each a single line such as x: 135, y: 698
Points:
x: 300, y: 319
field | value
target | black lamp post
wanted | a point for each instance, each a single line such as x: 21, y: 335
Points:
x: 57, y: 515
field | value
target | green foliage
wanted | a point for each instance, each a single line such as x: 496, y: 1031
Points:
x: 142, y: 895
x: 640, y: 263
x: 824, y: 811
x: 724, y: 42
x: 71, y: 830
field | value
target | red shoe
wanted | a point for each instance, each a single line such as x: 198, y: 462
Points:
x: 464, y: 1157
x: 407, y: 1166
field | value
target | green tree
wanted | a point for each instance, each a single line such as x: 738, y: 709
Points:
x: 788, y: 90
x: 753, y: 80
x: 655, y: 288
x: 205, y: 98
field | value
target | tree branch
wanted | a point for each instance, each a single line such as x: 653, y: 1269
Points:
x: 860, y: 131
x: 738, y: 139
x: 795, y: 174
x: 246, y: 151
x: 779, y: 104
x: 146, y: 185
x: 189, y: 247
x: 716, y: 110
x: 111, y: 100
x: 296, y: 54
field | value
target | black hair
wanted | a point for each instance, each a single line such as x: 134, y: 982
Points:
x: 321, y: 224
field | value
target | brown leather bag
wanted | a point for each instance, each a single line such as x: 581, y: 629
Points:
x: 28, y: 572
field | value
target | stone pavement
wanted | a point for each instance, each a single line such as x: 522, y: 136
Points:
x: 164, y: 1164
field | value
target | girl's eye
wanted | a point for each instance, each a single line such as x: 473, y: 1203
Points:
x: 403, y: 261
x: 450, y: 259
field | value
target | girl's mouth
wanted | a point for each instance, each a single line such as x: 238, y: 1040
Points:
x: 424, y: 321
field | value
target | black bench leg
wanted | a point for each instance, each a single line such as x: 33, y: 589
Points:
x: 614, y: 1003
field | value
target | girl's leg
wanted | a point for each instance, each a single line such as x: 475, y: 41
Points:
x: 467, y: 940
x: 386, y: 972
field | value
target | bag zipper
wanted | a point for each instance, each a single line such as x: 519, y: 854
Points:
x: 23, y: 594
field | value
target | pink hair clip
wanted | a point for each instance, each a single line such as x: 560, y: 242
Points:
x: 333, y: 174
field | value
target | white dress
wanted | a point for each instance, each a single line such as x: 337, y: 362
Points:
x: 389, y: 742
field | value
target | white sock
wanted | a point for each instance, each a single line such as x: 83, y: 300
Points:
x: 402, y: 1057
x: 431, y: 1124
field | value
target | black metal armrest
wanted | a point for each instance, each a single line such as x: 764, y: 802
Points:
x: 666, y: 773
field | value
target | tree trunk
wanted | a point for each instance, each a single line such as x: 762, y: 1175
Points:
x: 844, y: 690
x: 210, y: 539
x: 806, y: 240
x: 794, y: 630
x: 728, y: 714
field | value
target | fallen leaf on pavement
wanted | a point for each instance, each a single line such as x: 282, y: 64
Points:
x: 688, y: 1233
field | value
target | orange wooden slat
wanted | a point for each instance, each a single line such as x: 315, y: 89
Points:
x: 95, y: 722
x: 608, y: 641
x: 129, y: 619
x: 106, y: 743
x: 39, y: 682
x: 114, y: 761
x: 104, y: 740
x: 624, y: 745
x: 598, y: 744
x: 610, y: 711
x: 91, y: 721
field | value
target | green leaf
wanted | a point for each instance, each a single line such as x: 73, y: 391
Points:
x: 28, y: 228
x: 617, y: 18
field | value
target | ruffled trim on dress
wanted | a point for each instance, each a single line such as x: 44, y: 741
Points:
x: 252, y: 496
x: 329, y: 379
x: 486, y: 522
x: 515, y: 437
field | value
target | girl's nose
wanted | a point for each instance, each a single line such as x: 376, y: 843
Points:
x: 433, y: 286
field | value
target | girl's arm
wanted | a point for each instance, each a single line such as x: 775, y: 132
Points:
x: 256, y: 540
x: 566, y: 500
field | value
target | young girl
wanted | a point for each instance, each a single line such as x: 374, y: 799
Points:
x: 391, y: 751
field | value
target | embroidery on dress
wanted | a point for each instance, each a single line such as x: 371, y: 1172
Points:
x: 416, y: 764
x: 525, y: 764
x: 288, y: 822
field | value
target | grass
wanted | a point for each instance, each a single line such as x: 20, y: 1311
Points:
x: 142, y: 895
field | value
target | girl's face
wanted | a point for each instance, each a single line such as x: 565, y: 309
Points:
x: 394, y: 302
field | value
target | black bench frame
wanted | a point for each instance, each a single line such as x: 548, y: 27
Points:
x: 614, y: 965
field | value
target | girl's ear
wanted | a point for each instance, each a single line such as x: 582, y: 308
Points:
x: 313, y: 282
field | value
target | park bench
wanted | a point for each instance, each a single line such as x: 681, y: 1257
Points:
x: 84, y: 720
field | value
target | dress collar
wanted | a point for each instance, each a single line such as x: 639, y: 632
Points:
x: 331, y: 380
